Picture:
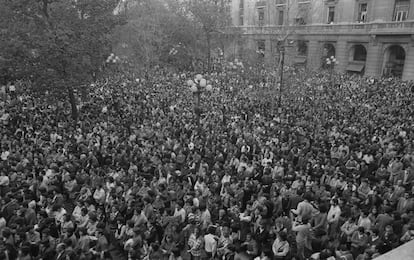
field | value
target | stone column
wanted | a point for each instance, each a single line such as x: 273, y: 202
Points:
x: 373, y: 64
x: 314, y: 55
x: 341, y: 55
x: 268, y: 51
x: 408, y: 73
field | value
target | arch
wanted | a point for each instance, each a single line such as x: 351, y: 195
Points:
x: 358, y: 52
x: 394, y: 59
x: 302, y: 48
x: 357, y: 58
x: 328, y: 50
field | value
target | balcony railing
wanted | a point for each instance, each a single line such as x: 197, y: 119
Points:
x: 405, y: 27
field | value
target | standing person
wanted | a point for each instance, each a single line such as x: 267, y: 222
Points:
x: 241, y: 253
x: 195, y: 243
x: 333, y: 218
x: 304, y: 209
x: 359, y: 242
x: 281, y: 247
x: 210, y: 243
x: 252, y: 249
x: 303, y: 238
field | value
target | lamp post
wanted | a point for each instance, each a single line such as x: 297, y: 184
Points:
x: 282, y: 64
x: 197, y: 86
x: 331, y: 62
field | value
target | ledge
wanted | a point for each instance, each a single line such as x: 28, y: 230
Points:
x: 374, y: 28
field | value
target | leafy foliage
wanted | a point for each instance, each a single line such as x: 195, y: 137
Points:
x: 174, y: 32
x: 54, y: 43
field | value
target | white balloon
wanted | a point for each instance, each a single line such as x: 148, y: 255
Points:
x: 190, y: 83
x: 209, y: 88
x: 199, y: 77
x: 194, y: 88
x: 203, y: 83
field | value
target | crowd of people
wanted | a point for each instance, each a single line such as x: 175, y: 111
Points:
x: 328, y: 174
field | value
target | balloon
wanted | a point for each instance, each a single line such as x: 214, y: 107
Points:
x: 190, y: 83
x: 209, y: 88
x: 199, y: 77
x: 194, y: 88
x: 203, y: 83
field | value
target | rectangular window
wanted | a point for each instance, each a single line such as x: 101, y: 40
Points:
x: 241, y: 4
x: 281, y: 17
x: 362, y: 12
x: 280, y: 2
x: 402, y: 8
x: 331, y: 14
x: 261, y: 16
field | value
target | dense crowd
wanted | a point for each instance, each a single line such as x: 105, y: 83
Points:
x: 328, y: 175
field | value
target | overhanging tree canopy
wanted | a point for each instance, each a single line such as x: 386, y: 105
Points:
x: 56, y: 44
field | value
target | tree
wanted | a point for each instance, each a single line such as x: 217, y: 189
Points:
x: 57, y: 45
x: 210, y: 16
x: 156, y: 32
x: 170, y: 32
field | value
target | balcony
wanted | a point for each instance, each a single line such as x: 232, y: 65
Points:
x: 374, y: 28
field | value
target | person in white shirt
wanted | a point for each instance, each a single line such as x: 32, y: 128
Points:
x: 333, y: 217
x: 99, y: 195
x: 205, y: 216
x: 210, y: 243
x: 226, y: 178
x: 4, y: 183
x: 305, y: 209
x: 280, y: 246
x: 180, y: 211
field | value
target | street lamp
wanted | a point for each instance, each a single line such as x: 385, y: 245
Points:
x: 282, y: 65
x: 331, y: 62
x: 197, y: 86
x: 113, y: 59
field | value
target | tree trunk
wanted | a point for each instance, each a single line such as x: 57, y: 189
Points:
x: 72, y: 101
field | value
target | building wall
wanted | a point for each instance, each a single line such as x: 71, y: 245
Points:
x: 378, y: 33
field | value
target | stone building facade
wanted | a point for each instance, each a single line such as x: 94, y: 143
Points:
x: 371, y: 37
